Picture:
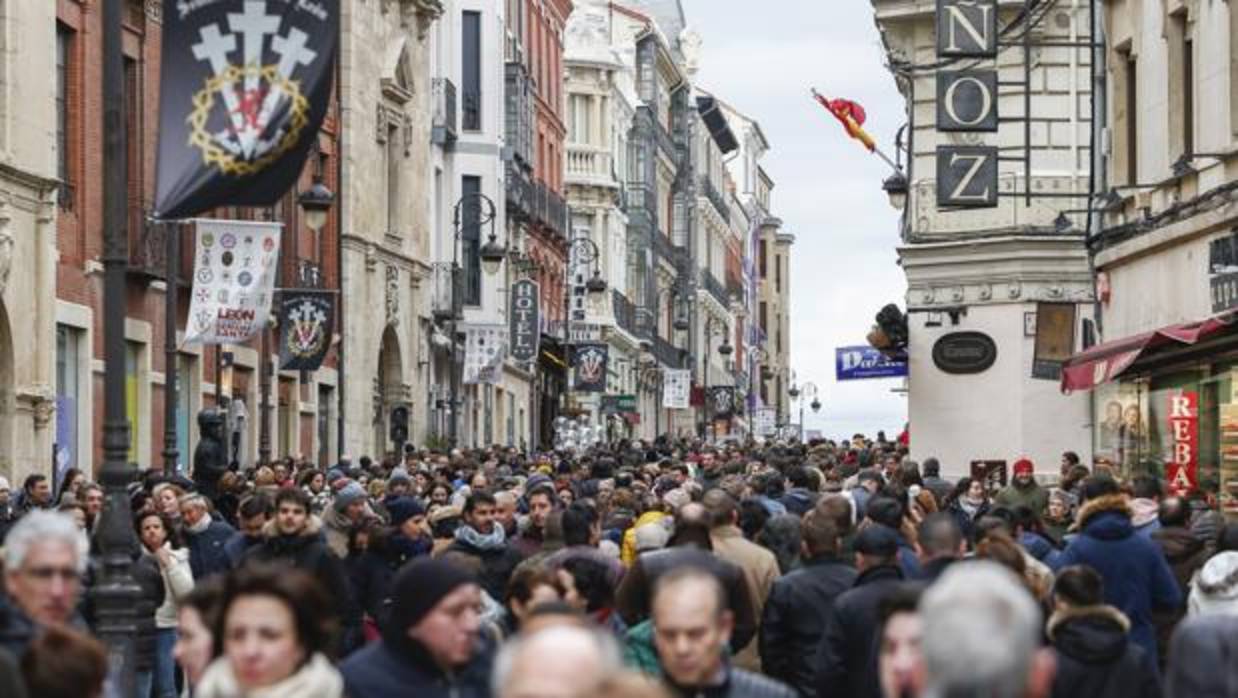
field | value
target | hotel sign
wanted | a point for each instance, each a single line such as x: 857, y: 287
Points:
x: 525, y: 328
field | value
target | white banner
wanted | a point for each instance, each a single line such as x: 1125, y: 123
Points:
x: 764, y: 422
x: 485, y: 347
x: 233, y: 280
x: 676, y: 388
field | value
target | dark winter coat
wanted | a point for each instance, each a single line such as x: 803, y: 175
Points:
x: 238, y: 545
x: 794, y: 618
x: 1203, y: 658
x: 799, y: 501
x: 145, y: 570
x: 940, y: 488
x: 633, y: 598
x: 966, y: 521
x: 1137, y: 577
x: 1096, y: 659
x: 206, y: 549
x: 1040, y: 547
x: 496, y: 565
x: 1185, y: 554
x: 400, y: 666
x: 308, y: 552
x: 371, y: 577
x: 11, y: 684
x: 738, y: 684
x: 846, y: 658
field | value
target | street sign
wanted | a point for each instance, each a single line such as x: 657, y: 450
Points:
x: 857, y: 363
x: 964, y: 352
x: 618, y: 404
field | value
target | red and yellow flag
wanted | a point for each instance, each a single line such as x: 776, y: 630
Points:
x: 851, y: 116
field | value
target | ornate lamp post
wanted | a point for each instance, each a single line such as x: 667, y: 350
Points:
x: 482, y: 212
x: 714, y: 329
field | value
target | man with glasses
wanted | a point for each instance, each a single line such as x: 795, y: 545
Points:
x: 45, y: 556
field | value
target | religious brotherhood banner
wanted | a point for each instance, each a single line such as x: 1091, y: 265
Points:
x: 590, y: 362
x: 244, y: 86
x: 233, y: 279
x: 306, y: 321
x: 721, y: 401
x: 676, y: 388
x: 485, y: 347
x: 765, y: 422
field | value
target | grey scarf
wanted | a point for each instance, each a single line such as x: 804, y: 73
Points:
x: 495, y: 540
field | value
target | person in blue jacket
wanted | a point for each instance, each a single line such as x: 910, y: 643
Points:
x: 1137, y: 578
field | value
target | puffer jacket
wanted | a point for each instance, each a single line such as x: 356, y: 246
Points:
x: 1096, y: 659
x: 1137, y: 577
x: 794, y: 618
x: 1214, y: 591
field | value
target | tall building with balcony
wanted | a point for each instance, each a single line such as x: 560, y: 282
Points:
x: 386, y: 103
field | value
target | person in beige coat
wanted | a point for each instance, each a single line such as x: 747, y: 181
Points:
x: 759, y: 566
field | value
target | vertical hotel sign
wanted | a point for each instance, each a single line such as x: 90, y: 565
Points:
x: 524, y: 328
x: 1182, y: 471
x: 967, y: 103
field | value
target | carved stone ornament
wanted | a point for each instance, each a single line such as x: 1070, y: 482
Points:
x: 393, y: 295
x: 40, y: 400
x: 6, y: 246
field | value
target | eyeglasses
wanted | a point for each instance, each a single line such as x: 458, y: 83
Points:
x: 46, y: 574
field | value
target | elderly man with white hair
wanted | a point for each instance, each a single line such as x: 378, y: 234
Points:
x: 982, y: 636
x: 562, y: 661
x: 45, y: 555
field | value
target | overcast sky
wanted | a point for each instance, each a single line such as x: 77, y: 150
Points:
x: 827, y: 187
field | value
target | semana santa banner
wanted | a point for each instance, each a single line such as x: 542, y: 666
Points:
x: 485, y: 347
x: 590, y: 361
x: 306, y: 321
x: 676, y: 388
x: 233, y: 279
x: 244, y: 86
x: 721, y: 401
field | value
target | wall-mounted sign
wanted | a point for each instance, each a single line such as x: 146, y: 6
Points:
x: 1055, y: 339
x: 1181, y: 473
x: 967, y: 100
x: 966, y: 176
x: 618, y: 404
x: 523, y: 322
x: 855, y: 363
x: 964, y: 352
x: 967, y: 28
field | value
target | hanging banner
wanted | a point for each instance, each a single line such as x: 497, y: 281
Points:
x: 306, y: 321
x: 590, y: 361
x: 233, y: 278
x: 524, y: 320
x: 485, y: 347
x: 721, y: 402
x: 676, y: 388
x: 244, y: 86
x: 1182, y: 470
x: 765, y: 422
x: 860, y: 362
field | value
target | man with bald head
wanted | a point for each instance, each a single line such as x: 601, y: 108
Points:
x: 564, y: 661
x: 692, y: 628
x: 759, y: 565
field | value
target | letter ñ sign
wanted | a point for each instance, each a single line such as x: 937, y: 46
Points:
x: 966, y: 176
x: 966, y: 28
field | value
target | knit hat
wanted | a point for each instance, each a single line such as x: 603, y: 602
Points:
x: 334, y: 474
x: 536, y: 481
x: 1023, y: 466
x: 419, y: 587
x: 404, y: 508
x: 651, y: 536
x: 399, y: 475
x: 349, y: 493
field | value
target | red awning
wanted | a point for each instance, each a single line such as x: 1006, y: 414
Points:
x: 1104, y: 362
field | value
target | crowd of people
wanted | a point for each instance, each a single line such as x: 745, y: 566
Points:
x: 666, y: 569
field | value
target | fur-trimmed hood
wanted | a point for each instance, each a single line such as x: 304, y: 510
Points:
x: 313, y: 527
x: 1100, y: 505
x: 1099, y: 612
x: 1215, y: 587
x: 1089, y: 634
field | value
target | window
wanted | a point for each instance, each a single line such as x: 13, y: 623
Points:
x: 778, y: 273
x: 133, y: 142
x: 1180, y: 85
x: 764, y: 317
x: 64, y: 46
x: 761, y: 260
x: 470, y: 71
x: 324, y: 426
x: 184, y: 409
x: 1125, y: 117
x: 470, y: 239
x: 68, y: 340
x: 394, y: 157
x: 133, y: 355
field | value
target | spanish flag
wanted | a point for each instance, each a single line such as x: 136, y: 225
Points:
x: 851, y: 116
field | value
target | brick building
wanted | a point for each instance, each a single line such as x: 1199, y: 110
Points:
x: 302, y: 418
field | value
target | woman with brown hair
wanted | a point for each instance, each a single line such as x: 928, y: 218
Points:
x: 272, y: 639
x: 63, y: 663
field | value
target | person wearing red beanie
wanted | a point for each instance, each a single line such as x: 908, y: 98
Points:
x: 1023, y: 490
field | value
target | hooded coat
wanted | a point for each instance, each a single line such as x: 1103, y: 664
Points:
x: 1095, y: 658
x: 397, y: 665
x: 1186, y: 554
x: 1214, y: 591
x: 1137, y: 577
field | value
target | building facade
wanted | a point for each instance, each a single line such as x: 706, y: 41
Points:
x: 385, y: 101
x: 302, y: 411
x: 989, y: 272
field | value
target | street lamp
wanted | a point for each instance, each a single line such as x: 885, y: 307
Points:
x: 712, y: 329
x: 316, y: 202
x: 895, y: 187
x: 756, y: 357
x: 481, y: 213
x: 492, y: 255
x: 809, y: 390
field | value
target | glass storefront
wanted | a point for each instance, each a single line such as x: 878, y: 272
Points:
x: 1179, y: 424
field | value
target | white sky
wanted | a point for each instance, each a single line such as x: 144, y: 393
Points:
x: 763, y: 58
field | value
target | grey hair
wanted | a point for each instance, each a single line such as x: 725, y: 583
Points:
x: 981, y: 630
x: 610, y: 658
x: 41, y: 526
x: 194, y: 498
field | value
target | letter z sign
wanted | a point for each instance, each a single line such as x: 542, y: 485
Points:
x: 966, y: 176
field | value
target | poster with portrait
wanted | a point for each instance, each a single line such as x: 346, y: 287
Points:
x: 1120, y: 433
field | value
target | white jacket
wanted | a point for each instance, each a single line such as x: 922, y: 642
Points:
x: 1214, y: 590
x: 177, y: 582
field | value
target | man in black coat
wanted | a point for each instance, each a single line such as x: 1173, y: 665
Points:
x: 847, y: 654
x: 799, y: 603
x: 205, y: 537
x: 485, y: 543
x: 939, y: 544
x: 294, y: 538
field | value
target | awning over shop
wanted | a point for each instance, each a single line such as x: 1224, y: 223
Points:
x: 1104, y: 362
